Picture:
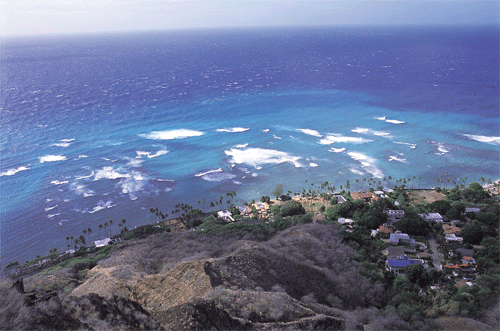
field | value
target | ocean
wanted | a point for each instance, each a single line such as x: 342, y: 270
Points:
x: 104, y: 127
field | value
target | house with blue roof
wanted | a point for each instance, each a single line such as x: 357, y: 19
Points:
x: 397, y: 266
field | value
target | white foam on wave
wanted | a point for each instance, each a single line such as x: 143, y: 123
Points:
x: 370, y: 131
x: 172, y: 134
x: 408, y: 144
x: 102, y: 205
x: 53, y: 215
x: 56, y: 182
x: 201, y: 174
x: 109, y: 173
x: 396, y: 158
x: 67, y: 140
x: 368, y: 163
x: 360, y: 130
x: 233, y: 130
x: 218, y: 176
x: 61, y: 222
x: 133, y: 183
x: 52, y: 158
x: 259, y: 156
x: 311, y: 132
x: 338, y: 138
x: 276, y: 137
x: 384, y: 118
x: 82, y: 156
x: 134, y: 162
x: 484, y: 139
x: 313, y: 165
x: 12, y: 172
x: 241, y: 146
x: 84, y: 177
x: 395, y: 121
x: 140, y: 154
x: 50, y: 208
x: 356, y: 171
x: 336, y: 150
x: 82, y: 190
x: 266, y: 130
x: 61, y: 144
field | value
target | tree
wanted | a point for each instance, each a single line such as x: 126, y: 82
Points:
x: 100, y: 227
x: 417, y: 275
x: 82, y: 240
x: 472, y: 234
x: 278, y: 190
x: 89, y: 231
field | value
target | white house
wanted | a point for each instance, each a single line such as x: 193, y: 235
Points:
x: 395, y: 214
x: 342, y: 220
x: 432, y: 217
x: 102, y: 242
x: 225, y: 215
x: 453, y: 238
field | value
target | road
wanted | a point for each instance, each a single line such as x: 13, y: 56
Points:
x: 435, y: 255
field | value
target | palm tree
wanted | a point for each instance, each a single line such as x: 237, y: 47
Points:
x: 100, y: 227
x: 89, y: 231
x: 85, y: 233
x: 111, y: 227
x: 105, y: 226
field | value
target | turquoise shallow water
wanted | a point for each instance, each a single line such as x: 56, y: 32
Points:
x: 92, y: 135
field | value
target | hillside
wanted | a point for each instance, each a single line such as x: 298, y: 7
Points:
x: 289, y: 274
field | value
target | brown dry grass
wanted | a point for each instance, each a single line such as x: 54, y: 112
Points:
x: 425, y: 196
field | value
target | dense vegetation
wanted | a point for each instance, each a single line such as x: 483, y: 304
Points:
x: 288, y: 257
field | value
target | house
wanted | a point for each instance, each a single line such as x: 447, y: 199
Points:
x: 472, y: 210
x: 394, y: 252
x: 225, y: 215
x: 397, y: 266
x: 244, y: 210
x: 468, y: 260
x: 343, y: 221
x: 102, y: 242
x: 395, y: 214
x: 401, y: 238
x: 449, y: 229
x: 384, y: 229
x: 453, y: 238
x: 365, y: 195
x: 340, y: 198
x: 432, y: 217
x: 465, y: 251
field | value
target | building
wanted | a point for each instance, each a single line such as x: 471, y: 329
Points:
x: 365, y: 195
x: 432, y: 217
x: 225, y: 215
x: 472, y: 210
x: 465, y: 251
x: 395, y: 214
x: 343, y: 221
x: 449, y: 229
x: 401, y: 238
x: 453, y: 238
x: 397, y: 266
x: 340, y: 198
x: 244, y: 210
x: 384, y: 229
x: 102, y: 242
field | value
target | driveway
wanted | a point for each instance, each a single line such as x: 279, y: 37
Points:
x: 435, y: 255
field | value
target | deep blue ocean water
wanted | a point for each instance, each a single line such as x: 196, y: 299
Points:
x: 104, y: 127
